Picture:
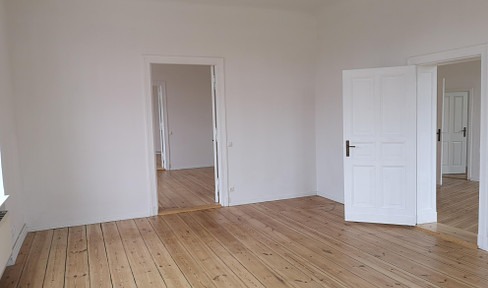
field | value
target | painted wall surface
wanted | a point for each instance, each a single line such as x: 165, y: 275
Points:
x: 377, y: 33
x: 189, y: 107
x: 8, y: 138
x: 463, y: 77
x: 81, y: 118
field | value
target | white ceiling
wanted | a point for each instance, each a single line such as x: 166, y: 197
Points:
x: 296, y: 5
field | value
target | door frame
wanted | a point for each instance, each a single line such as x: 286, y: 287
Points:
x: 216, y: 62
x: 445, y: 57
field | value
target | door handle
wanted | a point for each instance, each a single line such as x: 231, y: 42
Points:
x: 348, y: 146
x: 438, y: 135
x: 464, y: 132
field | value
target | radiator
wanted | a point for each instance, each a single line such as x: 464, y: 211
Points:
x: 5, y: 240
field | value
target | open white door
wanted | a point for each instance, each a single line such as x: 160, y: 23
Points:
x: 380, y: 145
x: 163, y: 131
x: 439, y: 136
x: 454, y: 144
x: 215, y: 134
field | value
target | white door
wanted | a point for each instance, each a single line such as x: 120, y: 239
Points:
x: 380, y: 128
x: 163, y: 130
x: 215, y: 133
x: 455, y: 118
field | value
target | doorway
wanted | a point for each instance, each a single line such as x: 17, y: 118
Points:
x: 187, y: 127
x: 458, y: 156
x: 430, y: 212
x: 185, y: 136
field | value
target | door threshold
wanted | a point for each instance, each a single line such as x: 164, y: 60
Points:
x: 189, y: 209
x: 456, y: 235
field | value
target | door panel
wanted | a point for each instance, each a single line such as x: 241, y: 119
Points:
x: 380, y: 121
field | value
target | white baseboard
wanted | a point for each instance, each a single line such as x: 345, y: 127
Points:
x: 483, y: 242
x: 271, y: 198
x: 331, y: 197
x: 33, y: 227
x: 18, y: 244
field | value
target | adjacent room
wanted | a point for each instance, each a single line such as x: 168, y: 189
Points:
x: 184, y: 141
x: 243, y: 143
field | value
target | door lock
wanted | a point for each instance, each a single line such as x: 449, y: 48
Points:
x: 348, y: 146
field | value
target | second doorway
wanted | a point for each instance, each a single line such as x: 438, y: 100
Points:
x: 184, y: 121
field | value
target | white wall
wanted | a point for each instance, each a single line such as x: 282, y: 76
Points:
x: 463, y: 77
x: 189, y: 108
x: 79, y: 86
x: 8, y: 138
x: 375, y: 33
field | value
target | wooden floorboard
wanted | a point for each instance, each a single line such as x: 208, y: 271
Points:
x: 300, y: 242
x: 99, y: 270
x: 457, y: 210
x: 457, y: 203
x: 183, y: 189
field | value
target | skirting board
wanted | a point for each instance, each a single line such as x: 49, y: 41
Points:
x: 331, y: 197
x: 271, y: 198
x: 88, y: 221
x: 17, y: 245
x: 483, y: 242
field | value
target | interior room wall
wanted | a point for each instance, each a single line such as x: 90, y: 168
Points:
x: 81, y: 118
x: 8, y: 138
x: 189, y: 108
x: 376, y: 33
x: 463, y: 77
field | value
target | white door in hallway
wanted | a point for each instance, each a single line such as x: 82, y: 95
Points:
x: 215, y: 134
x: 454, y: 136
x: 380, y: 145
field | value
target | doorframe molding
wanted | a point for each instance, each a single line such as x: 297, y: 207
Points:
x: 218, y: 63
x: 455, y: 55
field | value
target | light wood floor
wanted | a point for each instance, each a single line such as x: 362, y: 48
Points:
x: 182, y: 189
x: 457, y: 203
x: 290, y: 243
x: 457, y: 208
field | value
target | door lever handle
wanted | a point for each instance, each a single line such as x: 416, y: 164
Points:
x: 348, y: 146
x: 438, y: 135
x: 464, y: 132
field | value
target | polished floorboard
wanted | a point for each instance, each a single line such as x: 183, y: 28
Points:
x: 300, y: 242
x: 457, y: 210
x: 457, y: 203
x: 182, y: 189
